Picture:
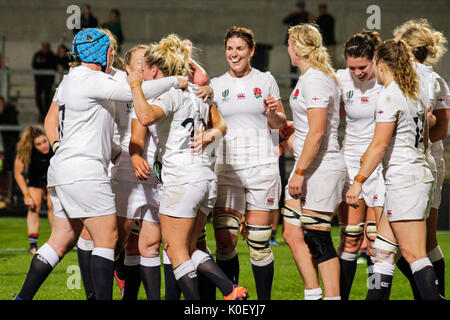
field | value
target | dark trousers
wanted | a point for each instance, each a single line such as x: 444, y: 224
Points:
x: 43, y: 95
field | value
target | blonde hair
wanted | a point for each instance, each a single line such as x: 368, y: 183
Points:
x: 427, y: 45
x: 307, y: 42
x: 26, y: 143
x: 171, y: 55
x: 398, y: 58
x: 129, y: 53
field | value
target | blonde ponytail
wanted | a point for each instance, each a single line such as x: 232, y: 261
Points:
x: 171, y: 55
x: 307, y: 42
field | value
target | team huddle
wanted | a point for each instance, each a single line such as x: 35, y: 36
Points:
x: 147, y: 149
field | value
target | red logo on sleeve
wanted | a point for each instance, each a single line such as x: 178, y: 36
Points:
x: 315, y: 99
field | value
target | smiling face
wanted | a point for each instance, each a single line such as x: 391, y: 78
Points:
x: 238, y: 55
x: 41, y: 144
x: 361, y: 68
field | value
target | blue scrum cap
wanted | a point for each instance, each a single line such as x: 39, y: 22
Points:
x: 91, y: 45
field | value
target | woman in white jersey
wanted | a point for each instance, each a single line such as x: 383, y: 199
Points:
x: 247, y: 163
x: 316, y: 181
x: 189, y: 184
x: 359, y: 92
x: 428, y: 46
x: 400, y: 141
x: 79, y: 186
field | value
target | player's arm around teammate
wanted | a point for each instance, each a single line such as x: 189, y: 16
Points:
x: 407, y: 172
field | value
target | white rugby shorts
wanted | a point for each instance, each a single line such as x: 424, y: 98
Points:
x: 139, y: 201
x: 83, y: 199
x: 255, y: 188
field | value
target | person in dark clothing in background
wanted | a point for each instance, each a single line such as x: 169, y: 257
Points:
x: 8, y: 116
x: 114, y: 25
x: 297, y: 16
x: 62, y: 58
x: 88, y: 20
x: 44, y: 59
x: 325, y: 21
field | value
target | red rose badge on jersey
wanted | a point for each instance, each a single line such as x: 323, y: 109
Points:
x: 257, y: 92
x: 296, y: 93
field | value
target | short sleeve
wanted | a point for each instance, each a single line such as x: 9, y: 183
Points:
x: 274, y: 90
x: 317, y: 93
x: 165, y: 102
x: 442, y: 94
x: 388, y: 108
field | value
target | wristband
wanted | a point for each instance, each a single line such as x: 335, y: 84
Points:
x: 360, y: 178
x: 55, y: 146
x: 135, y: 84
x: 299, y: 172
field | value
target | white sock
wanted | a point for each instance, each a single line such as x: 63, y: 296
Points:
x: 198, y: 257
x: 384, y: 268
x: 86, y: 245
x: 332, y: 298
x: 106, y: 253
x: 183, y: 269
x: 420, y: 264
x: 49, y: 254
x: 150, y: 262
x: 166, y: 259
x: 313, y: 294
x: 348, y: 256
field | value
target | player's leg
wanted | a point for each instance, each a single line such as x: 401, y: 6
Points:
x: 434, y: 252
x: 351, y: 222
x: 259, y: 229
x: 317, y: 234
x: 411, y: 236
x: 203, y: 261
x: 370, y: 234
x: 85, y: 245
x: 172, y: 290
x: 275, y: 222
x: 227, y: 223
x: 149, y: 244
x: 33, y: 218
x: 49, y: 208
x: 206, y: 287
x: 103, y: 230
x: 176, y: 233
x: 131, y: 265
x: 62, y: 239
x: 293, y: 235
x: 385, y: 248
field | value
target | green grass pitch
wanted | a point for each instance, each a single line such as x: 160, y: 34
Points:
x: 64, y: 284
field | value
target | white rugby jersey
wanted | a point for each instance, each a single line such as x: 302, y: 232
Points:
x: 248, y: 141
x: 435, y: 94
x: 404, y: 161
x: 86, y: 122
x: 184, y: 113
x: 315, y: 89
x: 359, y: 98
x: 123, y: 170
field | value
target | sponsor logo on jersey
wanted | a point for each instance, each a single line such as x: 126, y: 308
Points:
x: 389, y: 212
x: 441, y: 100
x: 364, y: 99
x: 296, y: 93
x: 375, y: 197
x: 257, y: 92
x: 270, y: 201
x: 241, y: 96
